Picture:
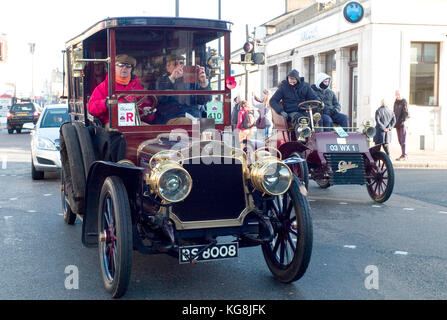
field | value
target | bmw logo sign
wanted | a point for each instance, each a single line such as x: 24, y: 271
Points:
x: 353, y: 12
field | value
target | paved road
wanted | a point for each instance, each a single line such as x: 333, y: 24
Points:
x: 402, y: 242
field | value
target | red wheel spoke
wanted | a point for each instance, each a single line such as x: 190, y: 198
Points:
x: 281, y: 258
x: 275, y: 248
x: 290, y: 240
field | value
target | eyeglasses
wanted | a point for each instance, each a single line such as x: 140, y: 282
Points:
x: 126, y: 65
x: 179, y: 62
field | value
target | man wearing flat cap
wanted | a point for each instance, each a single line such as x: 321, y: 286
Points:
x: 172, y: 109
x: 125, y: 81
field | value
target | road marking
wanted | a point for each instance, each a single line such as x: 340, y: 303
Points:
x: 311, y: 200
x: 376, y: 206
x: 47, y: 194
x: 5, y: 161
x: 350, y: 246
x: 13, y: 199
x: 403, y: 253
x: 443, y: 212
x: 342, y: 203
x: 7, y: 217
x: 31, y: 211
x: 409, y: 209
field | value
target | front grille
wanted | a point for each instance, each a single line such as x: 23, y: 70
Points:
x: 354, y: 173
x: 217, y: 192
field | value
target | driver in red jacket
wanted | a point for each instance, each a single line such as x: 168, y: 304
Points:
x: 125, y: 80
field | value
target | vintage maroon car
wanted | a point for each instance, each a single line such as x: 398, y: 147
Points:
x: 337, y: 157
x: 177, y: 189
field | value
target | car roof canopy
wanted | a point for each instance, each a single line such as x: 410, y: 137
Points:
x: 150, y: 22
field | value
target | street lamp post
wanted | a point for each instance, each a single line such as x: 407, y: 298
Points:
x: 32, y: 47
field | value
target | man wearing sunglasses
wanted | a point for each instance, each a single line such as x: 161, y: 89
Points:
x: 125, y: 81
x: 173, y: 109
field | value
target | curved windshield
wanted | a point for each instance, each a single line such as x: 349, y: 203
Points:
x: 173, y: 59
x: 164, y: 64
x: 53, y: 118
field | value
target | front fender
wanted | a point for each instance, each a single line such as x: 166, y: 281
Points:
x: 99, y: 171
x: 290, y: 147
x: 374, y: 149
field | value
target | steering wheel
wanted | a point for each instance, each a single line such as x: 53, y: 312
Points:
x: 310, y: 105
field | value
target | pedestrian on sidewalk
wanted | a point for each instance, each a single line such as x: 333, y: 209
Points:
x: 385, y: 121
x: 245, y: 123
x: 264, y: 122
x: 235, y: 110
x: 402, y: 115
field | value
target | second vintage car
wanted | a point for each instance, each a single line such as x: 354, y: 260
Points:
x: 338, y: 157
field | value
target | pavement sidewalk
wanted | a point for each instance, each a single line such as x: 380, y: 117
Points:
x: 421, y: 159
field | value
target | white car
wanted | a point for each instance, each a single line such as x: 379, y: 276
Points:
x: 45, y: 155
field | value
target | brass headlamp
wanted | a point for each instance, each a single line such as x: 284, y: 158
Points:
x: 269, y: 174
x: 168, y: 179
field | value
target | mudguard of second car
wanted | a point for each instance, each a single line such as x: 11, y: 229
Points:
x: 99, y: 171
x: 375, y: 149
x: 290, y: 147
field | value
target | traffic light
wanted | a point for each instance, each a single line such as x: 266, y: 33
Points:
x: 253, y: 58
x: 248, y: 47
x: 258, y: 58
x: 250, y: 56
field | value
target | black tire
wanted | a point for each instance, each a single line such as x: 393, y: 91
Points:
x: 69, y: 215
x: 380, y: 181
x: 10, y: 131
x: 86, y: 144
x: 19, y: 130
x: 294, y: 222
x: 35, y: 174
x: 75, y: 172
x: 114, y: 223
x: 301, y: 170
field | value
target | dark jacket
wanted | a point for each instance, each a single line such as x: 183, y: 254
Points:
x: 401, y: 112
x: 385, y: 119
x: 291, y: 96
x: 175, y: 106
x: 331, y: 105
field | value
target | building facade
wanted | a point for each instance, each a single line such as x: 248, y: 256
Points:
x: 396, y: 45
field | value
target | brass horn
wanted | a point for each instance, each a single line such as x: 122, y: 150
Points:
x: 302, y: 129
x: 369, y: 130
x: 317, y: 118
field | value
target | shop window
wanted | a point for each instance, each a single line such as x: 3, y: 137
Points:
x: 330, y: 66
x: 273, y: 76
x: 424, y: 73
x: 309, y: 64
x: 353, y: 55
x: 287, y: 67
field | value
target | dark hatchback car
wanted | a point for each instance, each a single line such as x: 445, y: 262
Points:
x: 19, y: 114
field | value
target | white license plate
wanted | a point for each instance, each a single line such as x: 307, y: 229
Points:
x: 216, y: 252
